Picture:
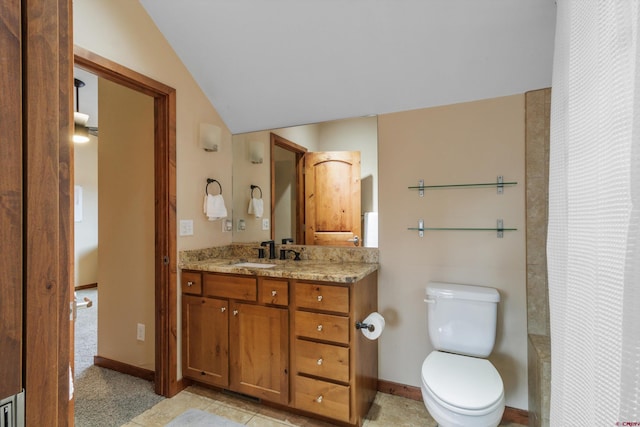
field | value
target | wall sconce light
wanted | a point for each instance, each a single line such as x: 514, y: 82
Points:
x: 209, y: 137
x: 81, y: 131
x: 256, y: 152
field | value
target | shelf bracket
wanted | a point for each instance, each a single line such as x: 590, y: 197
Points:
x: 421, y: 227
x: 500, y: 185
x: 421, y: 188
x: 500, y: 228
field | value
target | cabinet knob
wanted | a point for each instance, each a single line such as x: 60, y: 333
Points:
x: 319, y: 399
x: 223, y: 309
x: 190, y: 283
x: 274, y: 293
x: 235, y: 312
x: 319, y: 362
x: 319, y: 298
x: 319, y: 328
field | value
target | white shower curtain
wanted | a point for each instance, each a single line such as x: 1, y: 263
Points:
x: 594, y: 215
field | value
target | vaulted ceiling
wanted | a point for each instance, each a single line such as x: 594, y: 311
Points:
x: 277, y: 63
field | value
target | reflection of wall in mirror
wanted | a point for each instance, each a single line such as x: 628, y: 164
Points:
x: 285, y: 195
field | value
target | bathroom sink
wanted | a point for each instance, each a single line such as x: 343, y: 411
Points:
x: 253, y: 265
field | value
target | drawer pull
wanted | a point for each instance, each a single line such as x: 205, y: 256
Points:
x: 190, y: 283
x: 319, y: 298
x: 235, y: 312
x: 319, y: 328
x: 319, y: 362
x: 274, y: 293
x: 223, y: 309
x: 319, y: 399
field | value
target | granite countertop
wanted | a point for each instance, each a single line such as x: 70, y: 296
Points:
x: 320, y: 270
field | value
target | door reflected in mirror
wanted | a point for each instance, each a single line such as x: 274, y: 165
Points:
x: 282, y: 180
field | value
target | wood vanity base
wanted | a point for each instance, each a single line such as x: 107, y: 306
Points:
x: 291, y: 343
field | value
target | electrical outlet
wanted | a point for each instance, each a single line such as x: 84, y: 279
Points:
x: 265, y: 223
x: 140, y: 333
x: 227, y: 225
x: 186, y: 227
x: 242, y: 225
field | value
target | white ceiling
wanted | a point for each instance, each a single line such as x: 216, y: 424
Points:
x: 277, y: 63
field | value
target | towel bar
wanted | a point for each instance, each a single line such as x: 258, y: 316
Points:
x: 253, y: 187
x: 209, y: 181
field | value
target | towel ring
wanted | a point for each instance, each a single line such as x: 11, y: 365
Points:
x: 253, y: 187
x: 209, y: 181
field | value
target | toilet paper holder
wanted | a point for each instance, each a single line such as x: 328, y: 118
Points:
x: 369, y: 326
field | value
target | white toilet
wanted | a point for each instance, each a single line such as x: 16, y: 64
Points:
x: 460, y: 388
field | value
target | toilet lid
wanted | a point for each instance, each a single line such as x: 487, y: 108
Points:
x: 462, y: 381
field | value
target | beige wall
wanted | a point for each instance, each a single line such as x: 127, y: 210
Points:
x: 86, y: 231
x: 121, y: 31
x: 462, y: 143
x: 126, y: 273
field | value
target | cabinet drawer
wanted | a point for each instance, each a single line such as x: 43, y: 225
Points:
x: 323, y: 360
x: 322, y: 398
x: 325, y: 327
x: 234, y: 287
x: 322, y: 297
x: 272, y: 291
x: 191, y: 282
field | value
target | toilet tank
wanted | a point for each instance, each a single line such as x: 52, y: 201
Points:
x: 462, y: 318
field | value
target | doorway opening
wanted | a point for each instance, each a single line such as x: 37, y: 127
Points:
x: 164, y: 214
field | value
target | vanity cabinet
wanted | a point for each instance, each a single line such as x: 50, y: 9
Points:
x: 232, y: 342
x: 287, y: 341
x: 334, y: 367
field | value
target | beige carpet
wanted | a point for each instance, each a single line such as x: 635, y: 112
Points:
x: 104, y: 398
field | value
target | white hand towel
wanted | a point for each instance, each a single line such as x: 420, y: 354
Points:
x: 214, y: 207
x: 256, y: 207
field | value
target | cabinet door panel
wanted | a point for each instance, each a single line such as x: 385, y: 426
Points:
x: 260, y: 351
x: 206, y: 340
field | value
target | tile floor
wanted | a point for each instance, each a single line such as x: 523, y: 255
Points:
x: 387, y: 411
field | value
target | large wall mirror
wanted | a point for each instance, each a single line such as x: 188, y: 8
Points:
x: 270, y: 165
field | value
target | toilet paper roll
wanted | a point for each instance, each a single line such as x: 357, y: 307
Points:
x: 377, y: 321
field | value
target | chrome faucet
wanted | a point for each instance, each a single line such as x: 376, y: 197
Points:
x: 272, y: 248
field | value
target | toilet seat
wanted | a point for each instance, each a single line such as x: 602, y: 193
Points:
x: 465, y: 384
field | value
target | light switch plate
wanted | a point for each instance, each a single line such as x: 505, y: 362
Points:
x: 186, y: 227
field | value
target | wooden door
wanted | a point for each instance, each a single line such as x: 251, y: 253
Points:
x: 332, y: 198
x: 205, y: 332
x: 260, y: 351
x: 10, y: 201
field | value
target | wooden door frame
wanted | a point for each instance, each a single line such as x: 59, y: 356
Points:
x: 166, y: 360
x: 299, y: 151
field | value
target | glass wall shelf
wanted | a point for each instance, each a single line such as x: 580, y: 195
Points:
x: 499, y: 184
x: 499, y: 229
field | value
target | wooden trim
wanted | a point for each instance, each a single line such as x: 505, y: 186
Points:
x: 87, y: 286
x: 46, y: 65
x: 299, y: 151
x: 402, y: 390
x: 11, y: 189
x: 124, y: 368
x: 166, y: 295
x: 511, y: 415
